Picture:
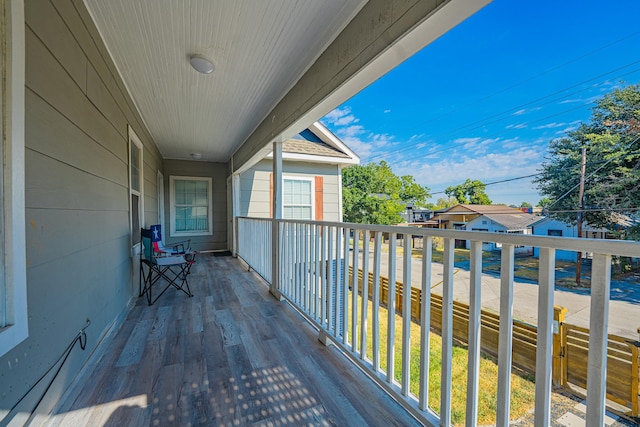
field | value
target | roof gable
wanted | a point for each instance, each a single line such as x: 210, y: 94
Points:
x: 317, y: 144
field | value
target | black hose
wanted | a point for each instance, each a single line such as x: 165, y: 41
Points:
x: 81, y: 337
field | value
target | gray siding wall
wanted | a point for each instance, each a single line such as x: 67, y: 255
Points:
x: 79, y: 263
x: 254, y: 187
x: 217, y: 172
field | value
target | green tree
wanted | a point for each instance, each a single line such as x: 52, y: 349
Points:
x: 447, y: 202
x: 373, y: 194
x: 544, y: 202
x: 525, y: 205
x: 469, y: 192
x: 612, y: 178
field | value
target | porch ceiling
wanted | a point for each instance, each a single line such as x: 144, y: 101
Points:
x: 259, y: 49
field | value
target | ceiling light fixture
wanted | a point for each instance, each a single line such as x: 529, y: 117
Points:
x: 201, y: 64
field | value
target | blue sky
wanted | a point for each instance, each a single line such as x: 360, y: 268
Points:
x: 484, y: 100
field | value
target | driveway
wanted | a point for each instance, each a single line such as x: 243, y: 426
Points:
x: 624, y: 315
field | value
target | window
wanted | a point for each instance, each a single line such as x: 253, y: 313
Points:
x: 557, y: 233
x: 136, y: 207
x: 13, y: 278
x: 190, y: 199
x: 298, y: 198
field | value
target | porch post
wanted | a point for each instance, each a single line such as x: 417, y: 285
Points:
x: 235, y: 211
x: 277, y: 214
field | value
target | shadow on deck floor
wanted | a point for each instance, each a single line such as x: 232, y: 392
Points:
x: 231, y: 355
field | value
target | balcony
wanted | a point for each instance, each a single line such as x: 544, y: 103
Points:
x: 234, y: 355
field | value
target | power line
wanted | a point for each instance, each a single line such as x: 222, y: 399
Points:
x: 617, y: 154
x: 498, y: 182
x: 521, y: 83
x: 589, y: 210
x: 483, y: 122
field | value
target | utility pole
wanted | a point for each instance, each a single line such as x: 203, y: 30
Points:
x: 583, y: 168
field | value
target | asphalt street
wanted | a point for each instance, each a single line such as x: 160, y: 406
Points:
x: 624, y: 316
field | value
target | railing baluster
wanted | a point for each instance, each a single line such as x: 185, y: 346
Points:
x: 375, y: 303
x: 311, y: 269
x: 406, y: 314
x: 292, y: 251
x: 364, y: 308
x: 474, y: 332
x: 266, y: 255
x: 544, y: 344
x: 307, y: 266
x: 313, y: 274
x: 447, y: 332
x: 324, y: 268
x: 318, y: 272
x: 391, y: 309
x: 345, y: 288
x: 425, y: 322
x: 338, y: 285
x: 598, y: 339
x: 299, y: 266
x: 505, y: 340
x: 329, y: 284
x: 291, y: 266
x: 354, y: 292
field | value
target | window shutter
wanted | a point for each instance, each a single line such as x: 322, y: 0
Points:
x: 271, y: 195
x: 319, y: 199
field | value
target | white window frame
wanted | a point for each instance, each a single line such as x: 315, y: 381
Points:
x: 313, y: 193
x: 172, y: 202
x: 134, y: 140
x: 14, y: 326
x: 160, y: 185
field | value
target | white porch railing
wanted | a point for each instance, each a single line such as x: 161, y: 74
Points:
x: 313, y: 262
x: 254, y: 245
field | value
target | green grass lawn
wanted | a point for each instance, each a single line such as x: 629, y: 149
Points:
x: 522, y: 389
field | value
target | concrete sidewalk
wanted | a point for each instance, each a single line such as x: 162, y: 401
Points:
x: 624, y: 317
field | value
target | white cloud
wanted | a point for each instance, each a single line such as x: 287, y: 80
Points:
x: 341, y: 117
x: 550, y: 126
x: 453, y: 170
x: 387, y: 111
x: 361, y: 148
x: 525, y: 110
x: 517, y: 126
x: 466, y: 140
x: 479, y: 146
x: 350, y: 131
x: 571, y: 101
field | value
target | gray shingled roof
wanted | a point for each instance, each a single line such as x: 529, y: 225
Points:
x: 513, y: 221
x: 313, y: 148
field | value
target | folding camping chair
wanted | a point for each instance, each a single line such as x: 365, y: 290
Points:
x: 172, y: 265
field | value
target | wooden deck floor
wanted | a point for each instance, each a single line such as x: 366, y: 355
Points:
x: 231, y: 355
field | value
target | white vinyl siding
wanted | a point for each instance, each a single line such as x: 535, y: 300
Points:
x: 298, y: 198
x: 191, y: 213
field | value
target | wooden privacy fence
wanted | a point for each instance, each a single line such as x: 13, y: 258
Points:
x: 570, y: 344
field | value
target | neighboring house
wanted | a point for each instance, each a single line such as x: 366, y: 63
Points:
x: 516, y: 222
x: 312, y: 163
x: 417, y: 216
x: 555, y: 228
x: 458, y: 217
